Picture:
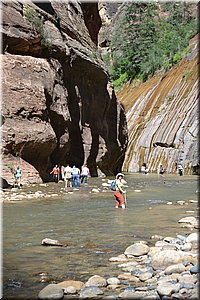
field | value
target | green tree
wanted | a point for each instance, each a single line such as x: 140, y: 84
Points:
x: 149, y: 37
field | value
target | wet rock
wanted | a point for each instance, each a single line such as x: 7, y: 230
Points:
x: 195, y: 269
x: 186, y: 247
x: 70, y: 290
x: 96, y: 280
x: 193, y: 237
x: 181, y: 237
x: 51, y: 291
x: 187, y: 278
x: 128, y: 264
x: 156, y: 237
x: 137, y: 249
x: 167, y: 288
x: 113, y: 280
x: 165, y: 258
x: 119, y: 258
x: 78, y: 285
x: 191, y: 220
x: 145, y: 276
x: 131, y: 295
x: 128, y: 276
x: 95, y: 190
x: 50, y: 242
x: 178, y: 268
x: 90, y: 292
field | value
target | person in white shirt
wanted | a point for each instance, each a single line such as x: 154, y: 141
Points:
x: 67, y: 175
x: 84, y: 174
x: 120, y: 201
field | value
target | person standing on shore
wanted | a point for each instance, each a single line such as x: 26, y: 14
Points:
x: 76, y: 176
x: 55, y: 172
x: 180, y: 170
x: 67, y: 175
x: 119, y: 191
x: 18, y: 176
x: 161, y: 170
x: 84, y: 174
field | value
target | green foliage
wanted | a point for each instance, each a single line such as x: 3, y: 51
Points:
x: 145, y: 42
x: 38, y: 22
x: 187, y: 74
x: 119, y: 83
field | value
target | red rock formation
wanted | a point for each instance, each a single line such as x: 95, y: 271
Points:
x: 58, y: 103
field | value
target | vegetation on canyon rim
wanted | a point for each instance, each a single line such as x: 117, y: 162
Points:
x: 37, y: 22
x: 149, y: 37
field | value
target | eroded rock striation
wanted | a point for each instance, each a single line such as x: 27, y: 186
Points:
x: 58, y: 103
x: 162, y: 117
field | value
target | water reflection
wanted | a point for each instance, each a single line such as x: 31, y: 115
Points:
x: 96, y: 229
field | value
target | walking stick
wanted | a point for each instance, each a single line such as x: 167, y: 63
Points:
x: 125, y: 200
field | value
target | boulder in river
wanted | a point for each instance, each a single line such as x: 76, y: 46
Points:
x: 50, y: 242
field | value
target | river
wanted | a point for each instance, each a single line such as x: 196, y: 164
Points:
x: 89, y: 220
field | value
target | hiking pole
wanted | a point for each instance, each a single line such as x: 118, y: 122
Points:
x: 125, y: 199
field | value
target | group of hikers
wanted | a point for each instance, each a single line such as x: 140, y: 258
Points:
x: 161, y: 170
x: 74, y: 176
x: 71, y: 175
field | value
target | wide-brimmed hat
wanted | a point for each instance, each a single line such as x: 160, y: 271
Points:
x: 119, y: 174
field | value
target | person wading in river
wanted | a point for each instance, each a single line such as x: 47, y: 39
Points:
x: 55, y: 172
x: 118, y: 193
x: 18, y: 176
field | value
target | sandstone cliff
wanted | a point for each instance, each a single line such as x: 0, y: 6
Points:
x: 162, y: 117
x: 58, y: 104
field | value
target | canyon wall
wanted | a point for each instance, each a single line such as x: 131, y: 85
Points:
x: 58, y: 103
x: 163, y: 119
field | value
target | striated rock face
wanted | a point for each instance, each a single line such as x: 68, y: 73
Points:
x: 162, y: 116
x: 58, y: 104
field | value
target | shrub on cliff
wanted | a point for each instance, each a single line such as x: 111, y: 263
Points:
x: 150, y: 37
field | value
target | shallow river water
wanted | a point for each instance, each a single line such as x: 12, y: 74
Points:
x: 89, y: 220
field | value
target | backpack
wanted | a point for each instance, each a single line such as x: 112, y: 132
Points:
x: 113, y: 185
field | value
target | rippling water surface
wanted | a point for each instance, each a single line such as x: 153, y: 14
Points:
x: 97, y: 230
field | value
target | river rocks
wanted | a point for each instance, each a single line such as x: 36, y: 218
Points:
x: 192, y: 238
x: 113, y: 281
x: 96, y: 281
x: 90, y: 292
x: 158, y: 273
x: 51, y: 291
x: 178, y: 268
x: 50, y: 242
x: 167, y: 288
x: 194, y: 269
x: 77, y: 285
x: 166, y: 258
x: 145, y: 276
x: 137, y: 249
x: 119, y: 258
x: 191, y: 220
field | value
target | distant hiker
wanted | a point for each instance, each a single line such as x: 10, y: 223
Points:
x: 84, y: 174
x: 55, y: 172
x: 67, y: 175
x: 119, y: 191
x: 161, y: 170
x: 18, y: 176
x: 76, y: 176
x: 144, y: 169
x: 180, y: 169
